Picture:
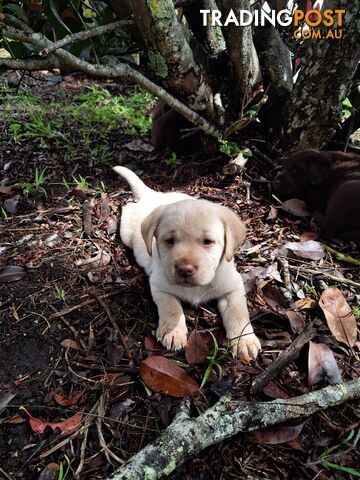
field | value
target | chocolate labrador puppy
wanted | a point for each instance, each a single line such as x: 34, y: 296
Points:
x: 330, y: 183
x: 167, y: 131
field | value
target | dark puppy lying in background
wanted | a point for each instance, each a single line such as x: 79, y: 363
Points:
x: 329, y: 182
x: 167, y: 131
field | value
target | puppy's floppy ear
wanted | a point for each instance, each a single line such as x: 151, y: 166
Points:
x: 235, y: 232
x: 319, y: 171
x: 149, y: 226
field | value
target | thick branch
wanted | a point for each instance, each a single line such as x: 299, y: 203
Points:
x: 187, y: 436
x: 30, y: 64
x: 119, y: 71
x: 85, y: 34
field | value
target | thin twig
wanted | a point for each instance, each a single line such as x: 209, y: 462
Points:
x: 101, y: 412
x: 286, y: 357
x: 115, y: 325
x: 5, y: 474
x: 82, y: 453
x: 68, y: 310
x: 334, y: 278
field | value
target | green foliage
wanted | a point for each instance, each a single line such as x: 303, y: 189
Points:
x: 173, y: 161
x: 232, y: 149
x: 66, y: 184
x: 102, y: 187
x: 58, y: 18
x: 331, y: 454
x: 213, y: 361
x: 60, y: 293
x: 112, y: 112
x: 312, y: 289
x: 15, y: 132
x: 157, y: 64
x: 36, y: 185
x: 347, y: 108
x: 81, y: 182
x: 97, y: 114
x: 5, y: 215
x: 63, y: 472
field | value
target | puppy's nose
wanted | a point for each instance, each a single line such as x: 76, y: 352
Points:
x: 185, y: 269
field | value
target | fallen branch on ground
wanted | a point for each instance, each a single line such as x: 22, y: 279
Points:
x: 287, y: 356
x: 187, y: 436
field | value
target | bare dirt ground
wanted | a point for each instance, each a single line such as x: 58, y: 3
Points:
x: 77, y: 319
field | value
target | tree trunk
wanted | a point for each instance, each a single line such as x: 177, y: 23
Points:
x: 314, y: 110
x: 241, y: 50
x: 170, y: 56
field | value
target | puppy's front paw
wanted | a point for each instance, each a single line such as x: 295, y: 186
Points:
x: 174, y: 339
x: 246, y: 347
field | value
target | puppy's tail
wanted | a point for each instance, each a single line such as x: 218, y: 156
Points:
x: 138, y: 187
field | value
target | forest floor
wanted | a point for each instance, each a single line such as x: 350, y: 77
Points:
x: 77, y: 318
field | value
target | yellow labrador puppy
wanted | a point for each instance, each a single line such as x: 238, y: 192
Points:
x: 186, y: 246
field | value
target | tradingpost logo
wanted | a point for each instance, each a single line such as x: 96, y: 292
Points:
x: 307, y: 24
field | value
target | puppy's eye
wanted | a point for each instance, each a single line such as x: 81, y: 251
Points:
x: 170, y: 241
x: 207, y: 241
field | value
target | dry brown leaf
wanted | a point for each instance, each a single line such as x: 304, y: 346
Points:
x: 273, y: 297
x: 274, y: 391
x: 11, y: 273
x: 153, y: 347
x: 322, y: 364
x: 164, y: 377
x: 196, y: 349
x: 112, y: 225
x: 104, y: 208
x: 339, y: 317
x: 296, y: 207
x: 297, y: 322
x: 309, y: 249
x: 68, y: 343
x: 305, y: 236
x: 60, y: 399
x: 67, y: 427
x: 276, y: 434
x: 6, y: 190
x: 10, y: 204
x: 306, y: 304
x: 14, y: 419
x: 100, y: 260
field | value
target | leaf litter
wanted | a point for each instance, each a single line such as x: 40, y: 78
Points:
x: 50, y: 357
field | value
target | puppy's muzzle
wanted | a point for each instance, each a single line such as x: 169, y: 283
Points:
x: 185, y: 269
